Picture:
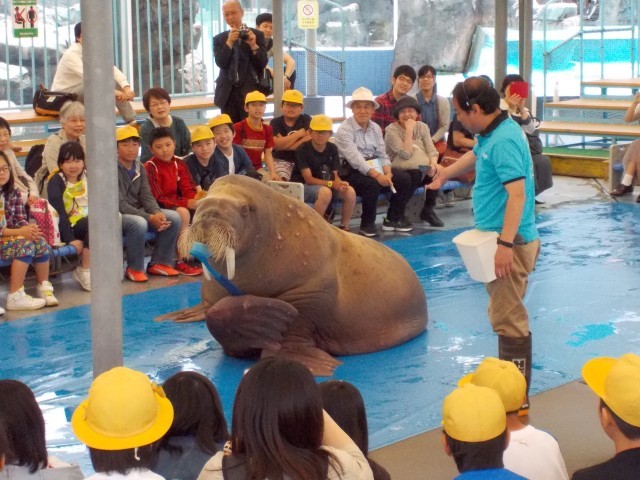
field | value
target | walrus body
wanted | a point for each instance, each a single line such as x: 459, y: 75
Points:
x: 309, y: 289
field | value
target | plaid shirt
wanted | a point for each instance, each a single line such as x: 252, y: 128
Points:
x: 14, y: 211
x: 383, y: 116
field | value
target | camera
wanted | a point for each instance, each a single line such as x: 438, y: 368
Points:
x: 244, y: 32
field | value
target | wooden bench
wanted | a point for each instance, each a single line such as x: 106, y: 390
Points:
x: 591, y: 104
x: 608, y: 130
x: 613, y: 83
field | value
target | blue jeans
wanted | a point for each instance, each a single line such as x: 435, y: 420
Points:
x: 134, y: 229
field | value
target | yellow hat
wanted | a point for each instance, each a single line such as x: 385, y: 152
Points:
x: 293, y: 96
x: 501, y: 376
x: 124, y: 409
x: 321, y: 123
x: 473, y: 414
x: 617, y: 383
x: 125, y: 132
x: 255, y: 96
x: 201, y: 132
x: 220, y: 120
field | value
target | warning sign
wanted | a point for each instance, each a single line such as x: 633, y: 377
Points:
x: 308, y: 16
x: 25, y: 18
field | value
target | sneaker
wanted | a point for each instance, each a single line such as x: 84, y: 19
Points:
x: 369, y: 230
x: 162, y: 270
x: 621, y: 190
x: 135, y: 275
x: 345, y: 228
x: 83, y: 277
x: 449, y: 199
x: 402, y: 225
x: 429, y: 216
x: 2, y: 312
x: 185, y: 269
x: 19, y: 300
x: 46, y: 291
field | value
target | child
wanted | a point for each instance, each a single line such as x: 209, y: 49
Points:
x: 199, y: 428
x: 68, y: 194
x: 532, y: 453
x: 157, y: 103
x: 256, y: 137
x: 22, y: 243
x: 171, y: 184
x: 23, y: 182
x: 229, y: 158
x: 317, y: 163
x: 121, y: 419
x: 290, y: 130
x: 201, y: 163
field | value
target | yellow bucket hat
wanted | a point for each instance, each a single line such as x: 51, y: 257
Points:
x: 473, y: 414
x: 201, y: 132
x: 293, y: 96
x: 255, y: 96
x: 125, y: 132
x: 220, y: 120
x: 617, y: 383
x: 501, y: 376
x: 321, y: 123
x: 123, y: 410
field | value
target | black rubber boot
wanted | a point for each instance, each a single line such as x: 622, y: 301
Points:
x: 518, y: 351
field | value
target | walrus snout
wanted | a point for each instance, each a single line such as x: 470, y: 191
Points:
x: 224, y: 207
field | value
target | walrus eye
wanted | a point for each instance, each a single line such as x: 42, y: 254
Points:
x: 245, y: 209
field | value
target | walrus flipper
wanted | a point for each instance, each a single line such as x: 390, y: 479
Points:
x: 244, y: 325
x: 319, y: 362
x: 186, y: 315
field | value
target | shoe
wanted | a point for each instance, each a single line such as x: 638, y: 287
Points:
x: 19, y: 300
x: 621, y: 190
x: 538, y: 202
x: 46, y: 291
x: 449, y: 199
x: 134, y: 124
x: 185, y: 269
x: 345, y: 228
x: 2, y: 312
x: 162, y: 270
x: 402, y: 225
x: 135, y: 275
x: 83, y: 277
x: 440, y: 200
x: 369, y: 230
x: 429, y: 216
x: 638, y: 199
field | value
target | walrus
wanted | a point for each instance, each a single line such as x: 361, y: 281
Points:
x: 308, y: 289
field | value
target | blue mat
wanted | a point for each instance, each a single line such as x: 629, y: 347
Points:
x: 583, y: 302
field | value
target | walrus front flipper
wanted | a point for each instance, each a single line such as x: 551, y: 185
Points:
x: 246, y: 324
x: 319, y: 362
x: 186, y: 315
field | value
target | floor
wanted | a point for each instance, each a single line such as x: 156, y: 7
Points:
x: 567, y: 411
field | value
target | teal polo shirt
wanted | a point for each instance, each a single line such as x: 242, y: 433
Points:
x: 502, y: 156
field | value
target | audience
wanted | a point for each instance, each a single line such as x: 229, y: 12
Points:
x: 475, y: 433
x: 69, y: 195
x: 409, y: 146
x: 631, y: 158
x: 198, y: 431
x: 255, y: 136
x: 140, y: 213
x: 290, y: 130
x: 120, y: 421
x: 344, y: 403
x: 435, y: 110
x: 22, y: 244
x: 229, y: 158
x: 25, y: 449
x: 274, y: 399
x: 171, y: 185
x: 317, y: 164
x: 532, y: 453
x: 361, y: 145
x: 402, y: 82
x: 201, y: 162
x: 157, y: 103
x: 264, y: 23
x: 616, y: 381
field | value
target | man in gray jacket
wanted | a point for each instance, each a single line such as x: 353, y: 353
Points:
x: 140, y: 213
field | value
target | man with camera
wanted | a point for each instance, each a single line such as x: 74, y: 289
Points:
x: 241, y: 55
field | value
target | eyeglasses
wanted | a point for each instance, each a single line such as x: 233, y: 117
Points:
x: 427, y: 76
x: 5, y: 134
x: 159, y: 103
x: 5, y: 169
x: 291, y: 105
x: 405, y: 80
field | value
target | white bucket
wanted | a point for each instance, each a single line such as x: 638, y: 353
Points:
x: 478, y: 249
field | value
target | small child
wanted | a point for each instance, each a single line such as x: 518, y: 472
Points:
x: 317, y: 163
x: 121, y: 419
x: 290, y: 130
x: 22, y: 243
x: 201, y: 163
x: 230, y: 159
x: 256, y: 137
x: 171, y: 185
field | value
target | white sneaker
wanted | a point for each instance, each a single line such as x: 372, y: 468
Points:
x: 46, y: 291
x: 449, y: 199
x: 83, y: 277
x: 19, y: 300
x: 2, y: 312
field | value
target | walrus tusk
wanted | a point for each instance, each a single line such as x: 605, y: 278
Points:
x: 230, y: 255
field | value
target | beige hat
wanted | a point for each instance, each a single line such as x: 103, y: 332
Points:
x: 363, y: 94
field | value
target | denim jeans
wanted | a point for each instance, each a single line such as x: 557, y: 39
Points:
x: 134, y: 229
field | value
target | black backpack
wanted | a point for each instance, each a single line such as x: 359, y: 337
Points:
x: 33, y: 162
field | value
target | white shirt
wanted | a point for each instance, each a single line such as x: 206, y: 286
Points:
x: 138, y: 474
x: 534, y: 454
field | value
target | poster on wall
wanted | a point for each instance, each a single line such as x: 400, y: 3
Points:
x: 308, y: 17
x: 25, y: 18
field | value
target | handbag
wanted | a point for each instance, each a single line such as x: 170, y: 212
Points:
x: 47, y: 220
x: 265, y: 82
x: 449, y: 158
x: 46, y: 102
x: 535, y: 143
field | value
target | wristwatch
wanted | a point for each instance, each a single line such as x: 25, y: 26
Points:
x: 504, y: 243
x: 330, y: 184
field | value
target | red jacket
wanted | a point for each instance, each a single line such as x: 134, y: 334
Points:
x: 170, y: 182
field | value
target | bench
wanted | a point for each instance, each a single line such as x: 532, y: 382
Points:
x: 591, y: 104
x: 608, y: 130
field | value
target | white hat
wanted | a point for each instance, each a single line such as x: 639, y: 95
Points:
x: 363, y: 94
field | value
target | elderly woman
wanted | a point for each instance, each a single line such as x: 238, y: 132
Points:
x: 73, y: 123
